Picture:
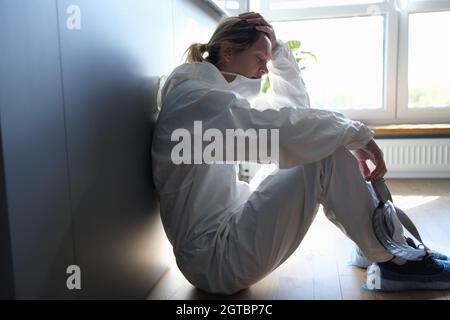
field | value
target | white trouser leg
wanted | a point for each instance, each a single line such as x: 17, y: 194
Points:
x: 278, y: 214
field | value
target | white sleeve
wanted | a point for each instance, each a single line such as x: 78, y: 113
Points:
x: 305, y: 135
x: 285, y: 77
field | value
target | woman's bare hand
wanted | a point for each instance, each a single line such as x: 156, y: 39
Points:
x: 262, y: 25
x: 373, y: 153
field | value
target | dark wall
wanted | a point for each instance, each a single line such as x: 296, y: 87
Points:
x: 76, y: 112
x: 6, y: 267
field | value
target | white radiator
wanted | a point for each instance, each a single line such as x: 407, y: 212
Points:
x: 405, y: 158
x: 416, y: 158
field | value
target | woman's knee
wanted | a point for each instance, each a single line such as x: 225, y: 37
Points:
x: 343, y: 159
x: 342, y: 153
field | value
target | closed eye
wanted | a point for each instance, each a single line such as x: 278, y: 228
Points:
x: 261, y: 59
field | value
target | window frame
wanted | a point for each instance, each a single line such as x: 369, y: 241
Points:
x: 243, y: 7
x: 429, y: 114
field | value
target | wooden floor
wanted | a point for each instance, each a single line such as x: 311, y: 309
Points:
x: 319, y: 268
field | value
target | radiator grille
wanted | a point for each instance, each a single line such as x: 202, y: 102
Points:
x: 417, y: 157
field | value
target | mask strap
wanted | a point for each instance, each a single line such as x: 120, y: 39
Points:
x: 229, y: 73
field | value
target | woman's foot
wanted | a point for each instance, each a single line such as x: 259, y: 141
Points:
x: 426, y: 274
x: 358, y: 259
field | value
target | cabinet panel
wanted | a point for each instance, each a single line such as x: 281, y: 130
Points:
x: 112, y: 52
x: 36, y: 185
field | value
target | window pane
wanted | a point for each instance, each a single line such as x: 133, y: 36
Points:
x: 429, y: 60
x: 293, y: 4
x: 228, y: 4
x: 349, y: 70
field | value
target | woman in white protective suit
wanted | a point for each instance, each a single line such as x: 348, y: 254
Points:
x: 225, y: 236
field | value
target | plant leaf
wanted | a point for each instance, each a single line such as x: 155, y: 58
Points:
x: 312, y: 55
x: 266, y: 84
x: 294, y: 44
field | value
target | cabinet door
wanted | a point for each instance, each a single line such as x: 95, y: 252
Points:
x: 112, y: 52
x: 35, y: 211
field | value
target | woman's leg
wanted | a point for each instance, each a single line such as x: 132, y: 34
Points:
x: 279, y: 213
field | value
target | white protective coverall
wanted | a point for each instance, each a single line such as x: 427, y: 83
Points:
x: 226, y: 237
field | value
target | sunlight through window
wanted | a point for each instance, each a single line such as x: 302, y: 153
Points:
x: 409, y: 202
x: 429, y: 64
x: 349, y: 71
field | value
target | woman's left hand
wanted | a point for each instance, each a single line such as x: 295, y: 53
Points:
x: 373, y: 153
x: 261, y: 25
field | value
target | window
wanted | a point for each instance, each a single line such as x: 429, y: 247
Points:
x: 228, y: 4
x: 232, y: 7
x: 423, y: 85
x: 349, y: 71
x: 429, y: 60
x: 291, y: 4
x: 380, y: 61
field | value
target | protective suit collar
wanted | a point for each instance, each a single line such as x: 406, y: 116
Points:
x: 246, y: 87
x: 200, y: 71
x: 209, y: 74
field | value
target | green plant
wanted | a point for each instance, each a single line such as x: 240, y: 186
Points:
x: 300, y: 56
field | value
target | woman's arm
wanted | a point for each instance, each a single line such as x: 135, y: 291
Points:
x: 284, y: 72
x: 285, y: 77
x: 305, y: 135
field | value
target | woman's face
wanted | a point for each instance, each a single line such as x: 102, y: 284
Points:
x: 252, y: 62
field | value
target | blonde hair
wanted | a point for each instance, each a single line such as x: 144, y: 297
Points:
x: 238, y: 32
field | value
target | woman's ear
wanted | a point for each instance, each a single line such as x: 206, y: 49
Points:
x: 226, y: 51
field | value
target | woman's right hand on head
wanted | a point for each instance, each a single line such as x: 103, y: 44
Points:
x: 262, y: 25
